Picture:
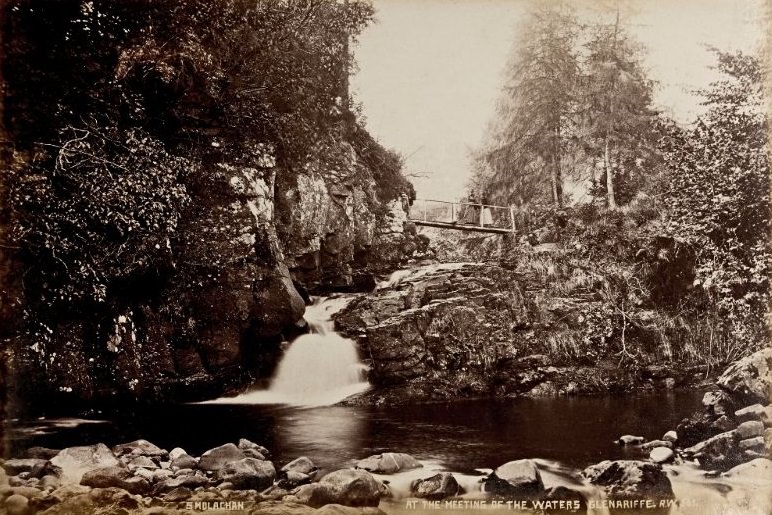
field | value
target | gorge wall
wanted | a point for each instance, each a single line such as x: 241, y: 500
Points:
x: 230, y: 286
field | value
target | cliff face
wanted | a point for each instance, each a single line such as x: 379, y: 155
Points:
x: 226, y: 293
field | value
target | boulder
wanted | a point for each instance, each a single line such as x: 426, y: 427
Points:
x: 630, y: 479
x: 17, y: 505
x: 515, y: 478
x: 49, y: 482
x: 181, y: 493
x: 302, y: 464
x: 758, y: 470
x: 76, y: 461
x: 291, y: 479
x: 177, y: 452
x: 718, y: 403
x: 43, y: 453
x: 656, y: 443
x: 670, y: 436
x: 349, y: 487
x: 749, y: 380
x: 140, y: 448
x: 696, y: 428
x: 245, y: 444
x: 115, y: 500
x: 719, y: 452
x: 752, y: 412
x: 248, y: 473
x: 33, y: 466
x: 117, y: 477
x: 661, y: 455
x: 29, y: 492
x: 183, y: 461
x: 752, y: 444
x: 388, y: 463
x: 436, y: 487
x: 138, y: 462
x: 3, y: 477
x: 189, y: 481
x: 724, y: 424
x: 750, y: 429
x: 254, y: 453
x: 217, y: 458
x: 630, y: 440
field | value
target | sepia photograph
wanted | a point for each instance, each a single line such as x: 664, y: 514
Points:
x: 385, y: 257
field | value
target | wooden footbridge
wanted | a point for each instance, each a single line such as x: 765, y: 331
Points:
x: 463, y: 216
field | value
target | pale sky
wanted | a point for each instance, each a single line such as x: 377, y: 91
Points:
x: 430, y: 71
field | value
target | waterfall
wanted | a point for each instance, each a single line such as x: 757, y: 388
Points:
x: 318, y: 369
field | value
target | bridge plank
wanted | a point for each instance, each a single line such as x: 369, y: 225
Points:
x: 461, y: 227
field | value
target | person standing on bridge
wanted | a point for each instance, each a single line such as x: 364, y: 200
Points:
x: 471, y: 213
x: 486, y: 218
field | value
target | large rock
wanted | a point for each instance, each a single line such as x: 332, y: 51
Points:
x: 750, y: 429
x: 76, y: 461
x: 17, y: 505
x: 140, y: 448
x: 697, y: 428
x: 191, y: 481
x: 516, y: 478
x: 117, y: 477
x: 349, y: 487
x: 718, y: 403
x: 33, y: 466
x: 217, y: 458
x: 749, y: 380
x: 629, y: 479
x: 441, y: 320
x: 661, y: 455
x: 388, y: 463
x: 245, y: 445
x: 758, y: 470
x: 302, y: 465
x: 436, y: 487
x: 753, y: 412
x: 717, y: 452
x: 248, y: 473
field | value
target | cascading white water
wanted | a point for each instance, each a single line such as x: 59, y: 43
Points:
x: 318, y: 369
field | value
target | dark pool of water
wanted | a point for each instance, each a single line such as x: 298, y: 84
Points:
x: 461, y: 435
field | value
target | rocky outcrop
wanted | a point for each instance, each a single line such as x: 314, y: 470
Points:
x: 76, y: 461
x: 516, y: 479
x: 349, y: 487
x: 229, y: 287
x: 388, y: 463
x: 436, y: 487
x: 626, y: 479
x: 749, y: 380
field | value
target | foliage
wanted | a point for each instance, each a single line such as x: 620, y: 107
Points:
x: 617, y: 120
x: 527, y: 139
x: 106, y: 97
x: 719, y: 195
x: 104, y: 212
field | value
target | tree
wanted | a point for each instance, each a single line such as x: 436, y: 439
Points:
x: 617, y: 118
x: 528, y: 136
x: 718, y: 195
x: 114, y: 106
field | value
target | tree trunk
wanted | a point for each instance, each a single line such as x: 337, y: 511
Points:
x: 612, y: 203
x: 557, y: 176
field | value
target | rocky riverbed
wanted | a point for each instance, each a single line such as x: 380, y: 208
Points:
x: 718, y: 453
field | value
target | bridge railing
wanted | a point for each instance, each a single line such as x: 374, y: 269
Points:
x: 463, y: 214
